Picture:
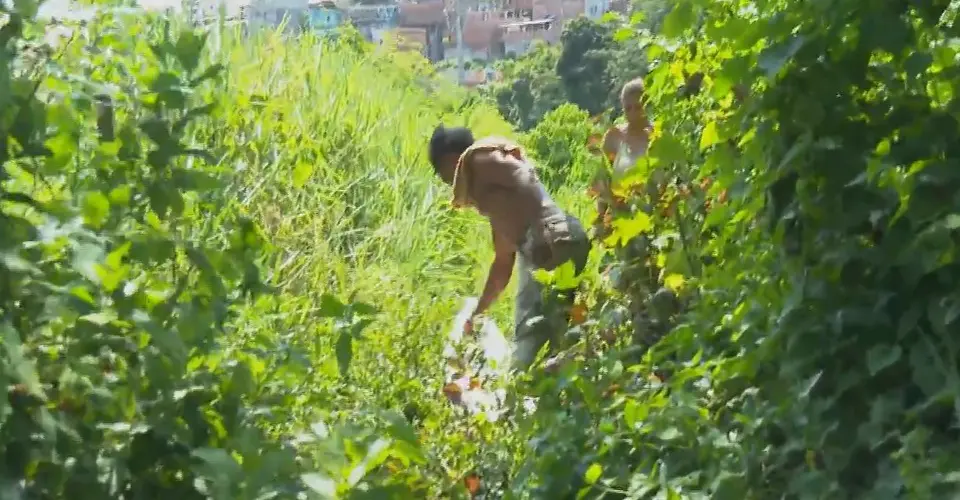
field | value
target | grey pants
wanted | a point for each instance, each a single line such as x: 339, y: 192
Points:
x: 540, y: 317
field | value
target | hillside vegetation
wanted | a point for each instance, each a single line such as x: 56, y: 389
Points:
x: 227, y: 269
x: 224, y: 259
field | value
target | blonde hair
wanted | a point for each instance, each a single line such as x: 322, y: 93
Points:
x: 633, y: 87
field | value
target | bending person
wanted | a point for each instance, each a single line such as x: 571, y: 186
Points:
x: 494, y: 176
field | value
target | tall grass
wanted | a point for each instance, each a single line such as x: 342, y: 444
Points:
x: 328, y: 144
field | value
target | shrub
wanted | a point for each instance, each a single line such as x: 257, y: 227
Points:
x: 116, y: 306
x: 812, y: 225
x: 559, y: 144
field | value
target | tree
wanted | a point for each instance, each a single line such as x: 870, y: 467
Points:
x: 586, y: 54
x: 530, y: 88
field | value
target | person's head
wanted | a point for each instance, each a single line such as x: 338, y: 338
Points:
x: 446, y: 146
x: 632, y: 100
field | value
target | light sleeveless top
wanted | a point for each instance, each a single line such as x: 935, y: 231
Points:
x: 626, y: 158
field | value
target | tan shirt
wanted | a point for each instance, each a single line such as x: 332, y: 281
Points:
x: 494, y: 176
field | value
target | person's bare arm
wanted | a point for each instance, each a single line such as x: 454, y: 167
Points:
x: 611, y: 142
x: 500, y: 272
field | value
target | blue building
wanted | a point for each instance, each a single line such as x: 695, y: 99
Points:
x: 325, y: 16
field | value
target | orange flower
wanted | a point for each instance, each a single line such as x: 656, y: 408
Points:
x: 474, y: 383
x: 667, y: 211
x: 611, y: 390
x: 578, y: 314
x: 705, y: 183
x: 472, y: 483
x: 594, y: 141
x: 722, y: 198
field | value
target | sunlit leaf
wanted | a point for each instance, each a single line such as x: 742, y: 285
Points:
x: 321, y: 485
x: 709, y: 136
x: 625, y: 229
x: 593, y: 473
x: 301, y: 174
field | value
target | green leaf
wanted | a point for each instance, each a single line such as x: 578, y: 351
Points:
x: 624, y: 230
x: 882, y: 356
x: 62, y: 147
x: 593, y: 473
x: 301, y: 174
x: 218, y: 462
x: 729, y: 486
x: 26, y: 8
x: 96, y: 209
x: 320, y: 484
x: 363, y: 309
x: 344, y: 352
x: 331, y: 307
x: 18, y: 363
x: 634, y: 413
x: 563, y: 277
x: 917, y: 64
x: 678, y: 20
x: 120, y: 196
x: 924, y: 370
x: 168, y: 342
x: 668, y: 149
x: 773, y: 59
x: 189, y: 48
x: 709, y: 136
x: 670, y: 434
x: 623, y: 34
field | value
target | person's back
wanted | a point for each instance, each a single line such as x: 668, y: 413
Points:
x: 495, y: 177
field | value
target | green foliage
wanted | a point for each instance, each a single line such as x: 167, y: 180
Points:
x: 813, y: 226
x: 559, y: 143
x: 116, y: 310
x: 586, y: 54
x: 587, y: 69
x: 798, y: 247
x: 530, y: 87
x: 153, y: 343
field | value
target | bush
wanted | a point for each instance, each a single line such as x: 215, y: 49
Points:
x: 812, y: 228
x: 117, y: 303
x: 191, y: 223
x: 559, y: 143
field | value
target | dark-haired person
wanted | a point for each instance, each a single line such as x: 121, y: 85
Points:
x: 494, y: 176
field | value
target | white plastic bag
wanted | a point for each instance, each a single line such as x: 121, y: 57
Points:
x: 474, y: 364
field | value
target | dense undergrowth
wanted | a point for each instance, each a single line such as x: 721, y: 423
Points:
x: 227, y: 269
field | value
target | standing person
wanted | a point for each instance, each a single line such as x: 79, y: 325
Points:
x: 494, y: 176
x: 623, y: 146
